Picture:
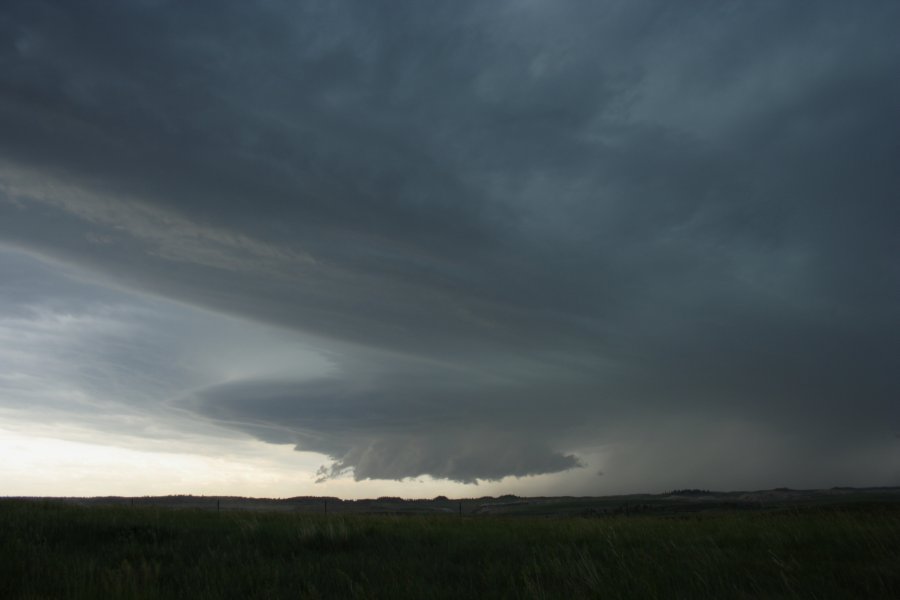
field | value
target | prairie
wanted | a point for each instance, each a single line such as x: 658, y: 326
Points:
x: 52, y: 549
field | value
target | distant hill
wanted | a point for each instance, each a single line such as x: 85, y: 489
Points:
x: 679, y: 501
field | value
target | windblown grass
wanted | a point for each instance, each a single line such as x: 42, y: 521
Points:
x: 51, y: 550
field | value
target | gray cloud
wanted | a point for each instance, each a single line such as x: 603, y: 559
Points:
x: 554, y: 217
x: 397, y: 426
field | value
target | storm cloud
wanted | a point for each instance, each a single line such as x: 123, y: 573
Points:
x: 515, y: 231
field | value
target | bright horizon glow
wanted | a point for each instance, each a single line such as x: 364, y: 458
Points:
x: 47, y: 466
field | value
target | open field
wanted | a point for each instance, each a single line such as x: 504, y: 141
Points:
x: 52, y: 549
x: 678, y: 502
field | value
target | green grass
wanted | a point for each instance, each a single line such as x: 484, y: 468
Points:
x: 54, y: 550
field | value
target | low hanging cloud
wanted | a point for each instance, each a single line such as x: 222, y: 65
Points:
x: 393, y: 428
x: 516, y: 229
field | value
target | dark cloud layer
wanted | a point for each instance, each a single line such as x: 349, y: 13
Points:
x: 393, y: 428
x: 514, y: 225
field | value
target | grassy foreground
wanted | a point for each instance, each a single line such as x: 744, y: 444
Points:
x: 52, y: 550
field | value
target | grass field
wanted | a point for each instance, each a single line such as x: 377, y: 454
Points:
x: 54, y: 550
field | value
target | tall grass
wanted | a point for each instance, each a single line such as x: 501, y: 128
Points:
x: 51, y: 550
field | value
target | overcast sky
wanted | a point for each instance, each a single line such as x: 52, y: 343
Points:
x: 410, y: 247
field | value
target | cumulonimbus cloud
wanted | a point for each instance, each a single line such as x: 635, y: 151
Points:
x: 581, y: 212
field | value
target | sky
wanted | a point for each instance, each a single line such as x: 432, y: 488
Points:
x: 410, y: 248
